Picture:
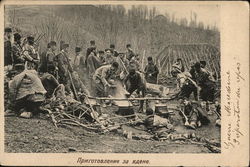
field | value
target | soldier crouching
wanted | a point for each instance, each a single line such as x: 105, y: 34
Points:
x: 194, y: 115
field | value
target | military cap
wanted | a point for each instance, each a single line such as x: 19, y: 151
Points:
x: 197, y: 65
x: 92, y: 42
x: 108, y: 50
x: 65, y: 45
x: 101, y: 52
x: 52, y: 43
x: 30, y: 38
x: 112, y: 46
x: 203, y: 62
x: 150, y: 58
x: 78, y: 49
x: 115, y: 64
x: 128, y: 45
x: 7, y: 29
x: 19, y: 67
x: 17, y: 36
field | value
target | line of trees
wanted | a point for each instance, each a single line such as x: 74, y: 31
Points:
x: 144, y: 28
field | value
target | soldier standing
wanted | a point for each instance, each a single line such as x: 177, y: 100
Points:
x: 112, y: 48
x: 42, y: 67
x: 50, y: 57
x: 151, y: 71
x: 30, y: 54
x: 77, y: 59
x: 7, y: 47
x: 18, y: 59
x: 64, y: 67
x: 130, y: 54
x: 100, y: 55
x: 89, y: 50
x: 109, y: 59
x: 93, y: 62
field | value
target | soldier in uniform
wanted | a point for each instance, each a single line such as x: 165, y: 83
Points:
x: 93, y: 62
x: 64, y: 67
x: 50, y: 57
x: 18, y: 59
x: 7, y: 47
x: 179, y: 64
x: 109, y: 59
x: 185, y: 84
x: 89, y: 50
x: 134, y: 82
x: 102, y: 77
x: 101, y: 56
x: 206, y: 83
x: 123, y: 62
x: 112, y: 48
x: 130, y: 54
x: 203, y: 66
x: 77, y: 59
x: 42, y: 68
x: 151, y: 71
x: 30, y: 54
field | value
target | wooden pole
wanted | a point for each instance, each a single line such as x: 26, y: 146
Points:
x: 131, y: 99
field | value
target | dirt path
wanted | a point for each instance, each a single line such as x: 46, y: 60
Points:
x: 40, y: 135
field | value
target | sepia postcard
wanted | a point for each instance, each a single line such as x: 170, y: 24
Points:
x: 124, y: 83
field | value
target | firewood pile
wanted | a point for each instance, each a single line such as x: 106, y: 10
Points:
x: 64, y: 110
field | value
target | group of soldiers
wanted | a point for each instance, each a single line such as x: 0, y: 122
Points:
x: 200, y: 82
x: 197, y: 80
x: 101, y: 68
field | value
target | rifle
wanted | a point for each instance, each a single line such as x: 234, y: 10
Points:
x: 123, y: 65
x: 39, y: 38
x: 71, y: 80
x: 73, y: 86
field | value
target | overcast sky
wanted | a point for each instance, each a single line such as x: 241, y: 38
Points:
x: 208, y: 14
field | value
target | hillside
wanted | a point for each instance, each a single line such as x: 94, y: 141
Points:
x: 140, y: 26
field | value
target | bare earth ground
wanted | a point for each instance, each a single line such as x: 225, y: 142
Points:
x: 40, y: 135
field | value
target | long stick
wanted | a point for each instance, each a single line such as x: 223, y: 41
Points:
x: 73, y: 86
x: 126, y: 116
x: 184, y: 115
x: 143, y: 57
x: 136, y: 98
